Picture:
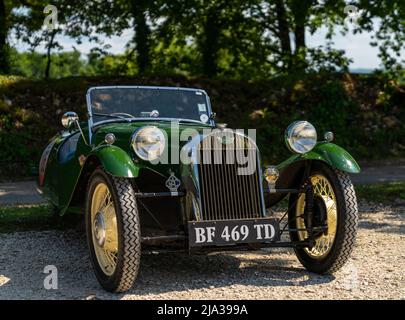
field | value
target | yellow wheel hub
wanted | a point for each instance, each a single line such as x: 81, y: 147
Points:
x: 324, y: 242
x: 104, y: 229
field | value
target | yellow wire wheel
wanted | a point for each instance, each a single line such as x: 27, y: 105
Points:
x: 323, y: 191
x: 113, y: 230
x: 104, y: 229
x: 334, y: 220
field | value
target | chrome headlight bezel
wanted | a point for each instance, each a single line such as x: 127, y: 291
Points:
x: 148, y: 143
x: 300, y: 137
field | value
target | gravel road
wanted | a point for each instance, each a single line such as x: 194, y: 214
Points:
x: 376, y: 270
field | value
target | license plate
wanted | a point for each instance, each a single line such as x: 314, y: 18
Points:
x: 226, y: 232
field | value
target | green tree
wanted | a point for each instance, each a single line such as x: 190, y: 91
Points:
x: 29, y: 26
x: 7, y: 8
x: 214, y: 27
x: 64, y: 64
x: 113, y: 17
x: 386, y: 20
x: 284, y: 25
x: 4, y: 63
x: 215, y: 38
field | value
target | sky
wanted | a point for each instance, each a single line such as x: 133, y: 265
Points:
x: 357, y: 46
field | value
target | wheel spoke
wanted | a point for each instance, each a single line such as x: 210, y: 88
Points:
x: 323, y: 243
x: 105, y: 242
x: 106, y: 201
x: 110, y: 260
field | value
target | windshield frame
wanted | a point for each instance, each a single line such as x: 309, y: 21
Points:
x: 90, y: 114
x: 88, y: 101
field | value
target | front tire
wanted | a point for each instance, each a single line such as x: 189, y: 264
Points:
x: 334, y: 194
x: 113, y: 231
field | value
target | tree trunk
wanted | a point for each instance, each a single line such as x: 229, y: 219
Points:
x: 142, y: 35
x: 283, y: 32
x: 300, y: 57
x: 4, y: 62
x: 209, y: 46
x: 300, y: 13
x: 48, y: 54
x: 299, y: 32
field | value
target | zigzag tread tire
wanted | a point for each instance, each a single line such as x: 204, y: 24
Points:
x: 129, y: 235
x: 346, y: 228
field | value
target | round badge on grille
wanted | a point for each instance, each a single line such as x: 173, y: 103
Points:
x: 173, y: 183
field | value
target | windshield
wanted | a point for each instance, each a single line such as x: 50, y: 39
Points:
x: 108, y: 103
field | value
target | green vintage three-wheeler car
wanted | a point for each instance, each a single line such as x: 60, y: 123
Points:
x: 153, y: 170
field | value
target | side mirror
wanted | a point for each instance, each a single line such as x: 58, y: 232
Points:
x: 69, y: 118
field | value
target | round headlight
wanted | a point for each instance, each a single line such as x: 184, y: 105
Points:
x: 300, y: 137
x: 148, y: 143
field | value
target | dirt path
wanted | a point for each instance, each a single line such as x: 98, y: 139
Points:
x: 375, y: 271
x: 369, y: 175
x: 23, y: 192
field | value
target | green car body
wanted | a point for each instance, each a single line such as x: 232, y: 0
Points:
x: 63, y: 180
x: 142, y: 177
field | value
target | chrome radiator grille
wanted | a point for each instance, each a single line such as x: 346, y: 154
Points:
x: 229, y: 190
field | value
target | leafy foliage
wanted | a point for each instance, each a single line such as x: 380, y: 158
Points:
x: 252, y: 39
x: 364, y: 112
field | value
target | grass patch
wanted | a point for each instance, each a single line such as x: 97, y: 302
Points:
x: 381, y: 192
x: 35, y: 218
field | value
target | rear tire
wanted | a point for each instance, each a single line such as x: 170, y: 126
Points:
x: 126, y: 243
x: 346, y: 222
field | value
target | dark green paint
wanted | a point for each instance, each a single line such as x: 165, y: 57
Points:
x: 330, y: 153
x: 116, y: 161
x: 119, y: 159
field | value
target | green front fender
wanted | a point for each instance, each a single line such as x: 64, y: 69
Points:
x: 116, y: 161
x: 330, y: 153
x: 113, y: 159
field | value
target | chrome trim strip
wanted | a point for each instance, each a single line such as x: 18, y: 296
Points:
x: 146, y: 87
x: 89, y: 116
x: 129, y: 120
x: 260, y: 174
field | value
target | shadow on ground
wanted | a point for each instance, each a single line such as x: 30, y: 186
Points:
x: 24, y: 257
x: 383, y: 227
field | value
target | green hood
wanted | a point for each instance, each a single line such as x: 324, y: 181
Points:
x: 124, y: 132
